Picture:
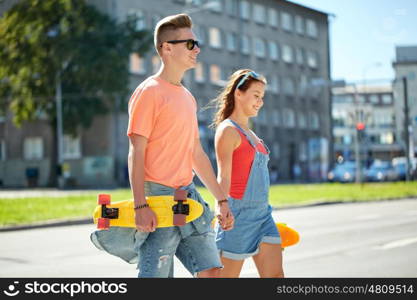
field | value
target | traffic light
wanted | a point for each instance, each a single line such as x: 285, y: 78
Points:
x: 360, y: 128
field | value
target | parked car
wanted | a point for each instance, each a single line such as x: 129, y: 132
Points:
x: 345, y: 172
x: 400, y: 166
x: 381, y: 171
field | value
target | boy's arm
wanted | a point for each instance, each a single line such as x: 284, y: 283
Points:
x: 144, y: 217
x: 204, y: 170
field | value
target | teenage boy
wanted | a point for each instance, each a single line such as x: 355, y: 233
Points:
x: 164, y: 149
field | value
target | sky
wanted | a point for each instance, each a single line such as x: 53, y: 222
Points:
x: 364, y: 34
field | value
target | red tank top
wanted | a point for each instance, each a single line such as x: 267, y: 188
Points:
x: 243, y: 157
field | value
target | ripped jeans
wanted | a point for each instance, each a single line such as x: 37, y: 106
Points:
x: 193, y: 244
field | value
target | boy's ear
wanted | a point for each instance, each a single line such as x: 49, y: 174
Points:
x: 166, y: 48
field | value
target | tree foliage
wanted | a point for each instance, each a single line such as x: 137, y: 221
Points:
x: 43, y: 39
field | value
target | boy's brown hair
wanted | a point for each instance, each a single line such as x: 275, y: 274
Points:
x: 165, y: 29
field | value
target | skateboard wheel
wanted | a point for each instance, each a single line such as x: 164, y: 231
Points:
x: 103, y: 223
x: 103, y: 199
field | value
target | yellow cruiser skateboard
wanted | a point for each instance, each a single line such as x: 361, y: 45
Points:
x: 288, y: 235
x: 170, y: 211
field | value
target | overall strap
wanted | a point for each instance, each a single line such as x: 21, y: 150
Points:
x: 243, y: 132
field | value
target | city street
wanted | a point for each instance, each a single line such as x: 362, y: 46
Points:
x: 375, y: 239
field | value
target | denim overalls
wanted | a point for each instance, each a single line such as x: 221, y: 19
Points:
x: 253, y: 220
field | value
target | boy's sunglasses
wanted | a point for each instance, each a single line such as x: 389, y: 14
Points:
x: 190, y: 43
x: 251, y: 74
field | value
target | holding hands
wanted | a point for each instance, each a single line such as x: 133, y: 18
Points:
x: 224, y: 215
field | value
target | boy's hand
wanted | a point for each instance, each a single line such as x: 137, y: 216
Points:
x: 145, y: 219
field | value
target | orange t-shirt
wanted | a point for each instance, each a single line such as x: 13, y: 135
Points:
x: 166, y: 115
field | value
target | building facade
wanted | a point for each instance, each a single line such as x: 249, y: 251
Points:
x: 286, y: 42
x: 405, y: 66
x: 373, y: 107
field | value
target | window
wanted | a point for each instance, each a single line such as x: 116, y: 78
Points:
x: 199, y: 72
x: 259, y: 47
x: 302, y: 122
x: 231, y: 7
x: 387, y: 138
x: 245, y: 47
x: 140, y: 18
x: 314, y: 120
x: 286, y: 21
x: 303, y: 151
x: 348, y: 98
x: 288, y: 87
x: 224, y: 73
x: 361, y: 98
x: 386, y: 99
x: 244, y: 10
x: 231, y: 41
x: 259, y: 13
x: 339, y: 118
x: 347, y: 139
x: 273, y: 84
x: 137, y: 64
x: 216, y: 6
x: 374, y: 99
x: 303, y: 85
x: 299, y: 25
x: 289, y: 118
x: 276, y: 150
x: 275, y: 117
x: 200, y: 33
x: 269, y: 116
x: 299, y: 55
x: 71, y: 147
x: 312, y: 30
x: 312, y: 59
x: 383, y: 118
x: 33, y: 148
x: 338, y: 98
x: 273, y: 17
x: 195, y: 2
x: 287, y: 54
x: 273, y: 50
x: 156, y: 63
x: 2, y: 150
x: 262, y: 117
x: 216, y: 75
x: 214, y: 37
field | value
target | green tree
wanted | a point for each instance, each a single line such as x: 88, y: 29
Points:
x: 45, y: 42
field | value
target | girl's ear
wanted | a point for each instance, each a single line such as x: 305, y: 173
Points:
x: 237, y: 94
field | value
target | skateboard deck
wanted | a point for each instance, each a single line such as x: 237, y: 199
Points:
x: 289, y: 236
x: 169, y: 212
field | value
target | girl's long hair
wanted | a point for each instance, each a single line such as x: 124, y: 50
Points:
x: 225, y: 101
